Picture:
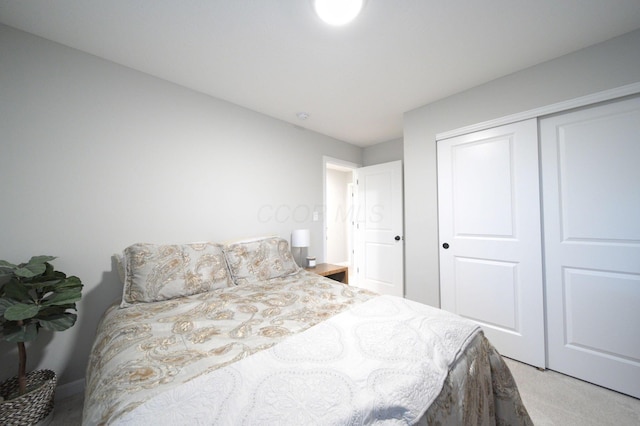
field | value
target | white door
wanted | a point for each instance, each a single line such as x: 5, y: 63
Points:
x: 490, y: 238
x: 379, y: 249
x: 591, y: 187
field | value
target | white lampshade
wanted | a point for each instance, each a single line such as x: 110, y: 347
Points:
x: 337, y: 12
x: 300, y: 238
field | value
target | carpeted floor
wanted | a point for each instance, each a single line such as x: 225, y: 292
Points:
x: 551, y: 399
x: 68, y: 411
x: 555, y: 399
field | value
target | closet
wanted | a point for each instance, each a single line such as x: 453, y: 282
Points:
x: 539, y: 227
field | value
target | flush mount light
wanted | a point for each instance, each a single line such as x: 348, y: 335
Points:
x: 337, y: 12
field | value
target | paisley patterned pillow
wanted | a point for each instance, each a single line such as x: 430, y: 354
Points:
x: 161, y: 272
x: 254, y: 261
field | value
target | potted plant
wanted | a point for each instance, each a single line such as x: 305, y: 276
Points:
x: 33, y: 296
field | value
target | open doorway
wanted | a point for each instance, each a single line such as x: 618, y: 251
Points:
x: 363, y: 223
x: 338, y: 217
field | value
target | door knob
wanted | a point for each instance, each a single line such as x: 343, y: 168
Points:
x: 445, y: 246
x: 397, y: 238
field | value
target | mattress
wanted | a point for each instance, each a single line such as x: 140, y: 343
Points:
x: 300, y: 349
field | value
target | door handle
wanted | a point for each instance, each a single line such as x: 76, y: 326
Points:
x: 397, y: 238
x: 445, y: 246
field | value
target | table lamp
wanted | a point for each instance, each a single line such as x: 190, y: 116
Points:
x: 300, y: 241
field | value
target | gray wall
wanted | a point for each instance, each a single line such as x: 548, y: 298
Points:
x: 604, y: 66
x: 383, y: 152
x: 95, y: 157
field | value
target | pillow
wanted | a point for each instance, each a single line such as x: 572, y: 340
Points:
x: 162, y: 272
x: 119, y: 260
x: 247, y: 240
x: 254, y: 261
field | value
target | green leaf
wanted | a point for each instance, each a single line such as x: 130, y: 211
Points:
x: 50, y: 311
x: 55, y: 309
x: 58, y: 322
x: 16, y: 291
x: 48, y: 276
x: 30, y: 272
x: 21, y: 311
x: 73, y: 280
x: 64, y: 297
x: 5, y: 264
x: 4, y: 304
x: 41, y: 284
x: 25, y: 333
x: 41, y: 259
x: 37, y: 265
x: 5, y: 279
x: 67, y: 284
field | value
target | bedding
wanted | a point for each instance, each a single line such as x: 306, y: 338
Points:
x: 293, y: 348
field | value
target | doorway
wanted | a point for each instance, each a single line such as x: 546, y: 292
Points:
x: 338, y: 218
x: 363, y: 227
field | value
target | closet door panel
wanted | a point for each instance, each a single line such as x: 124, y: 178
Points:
x: 591, y: 198
x: 490, y: 237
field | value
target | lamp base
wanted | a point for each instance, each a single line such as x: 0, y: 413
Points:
x: 300, y: 256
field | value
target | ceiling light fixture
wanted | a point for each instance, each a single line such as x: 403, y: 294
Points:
x: 337, y: 12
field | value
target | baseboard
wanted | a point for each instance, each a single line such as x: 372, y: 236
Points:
x: 69, y: 389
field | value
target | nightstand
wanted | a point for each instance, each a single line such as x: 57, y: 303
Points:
x: 335, y: 272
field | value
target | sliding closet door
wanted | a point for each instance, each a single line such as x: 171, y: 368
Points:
x: 591, y: 187
x: 490, y: 237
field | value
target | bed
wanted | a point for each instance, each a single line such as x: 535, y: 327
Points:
x: 239, y: 334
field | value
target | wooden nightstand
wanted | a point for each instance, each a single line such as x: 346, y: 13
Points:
x: 335, y: 272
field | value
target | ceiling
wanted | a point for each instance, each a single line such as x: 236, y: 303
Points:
x: 355, y: 82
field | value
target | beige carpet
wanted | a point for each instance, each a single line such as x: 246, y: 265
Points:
x: 555, y: 399
x: 551, y: 399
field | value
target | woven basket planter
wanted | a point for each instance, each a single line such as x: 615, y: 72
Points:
x: 32, y: 407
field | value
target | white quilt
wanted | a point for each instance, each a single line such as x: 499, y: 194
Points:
x: 381, y: 362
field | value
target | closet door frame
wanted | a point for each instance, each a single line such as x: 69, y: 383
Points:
x: 538, y: 114
x: 605, y: 95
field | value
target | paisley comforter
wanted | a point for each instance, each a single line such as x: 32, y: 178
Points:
x: 296, y: 350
